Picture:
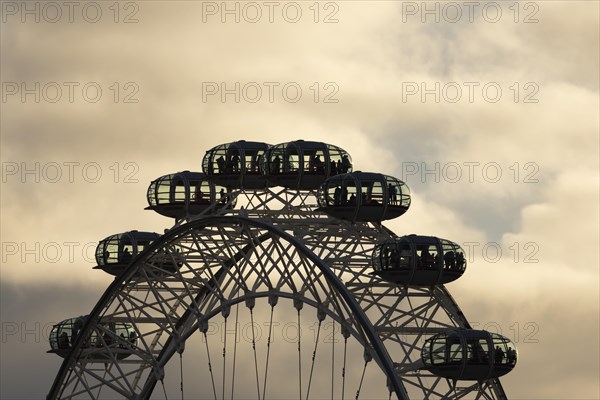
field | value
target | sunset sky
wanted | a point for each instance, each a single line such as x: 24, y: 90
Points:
x: 489, y: 112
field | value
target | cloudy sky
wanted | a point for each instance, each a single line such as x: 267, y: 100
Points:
x: 489, y: 112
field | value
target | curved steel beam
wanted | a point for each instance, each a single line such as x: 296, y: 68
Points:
x: 329, y: 275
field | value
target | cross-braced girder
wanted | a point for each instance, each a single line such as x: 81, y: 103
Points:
x: 276, y: 244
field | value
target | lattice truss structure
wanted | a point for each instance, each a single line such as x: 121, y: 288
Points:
x: 236, y: 269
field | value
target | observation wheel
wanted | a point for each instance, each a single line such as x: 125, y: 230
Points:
x: 277, y: 292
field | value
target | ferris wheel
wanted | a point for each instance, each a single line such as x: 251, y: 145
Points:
x: 278, y: 280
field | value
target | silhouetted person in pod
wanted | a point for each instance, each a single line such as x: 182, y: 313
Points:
x: 511, y: 355
x: 344, y: 196
x: 449, y: 260
x: 345, y: 164
x: 426, y: 258
x: 333, y: 168
x: 77, y: 325
x: 63, y: 341
x: 319, y: 167
x: 221, y: 164
x: 392, y: 194
x: 235, y: 163
x: 337, y: 196
x: 460, y: 261
x: 126, y: 255
x: 277, y: 165
x: 498, y: 355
